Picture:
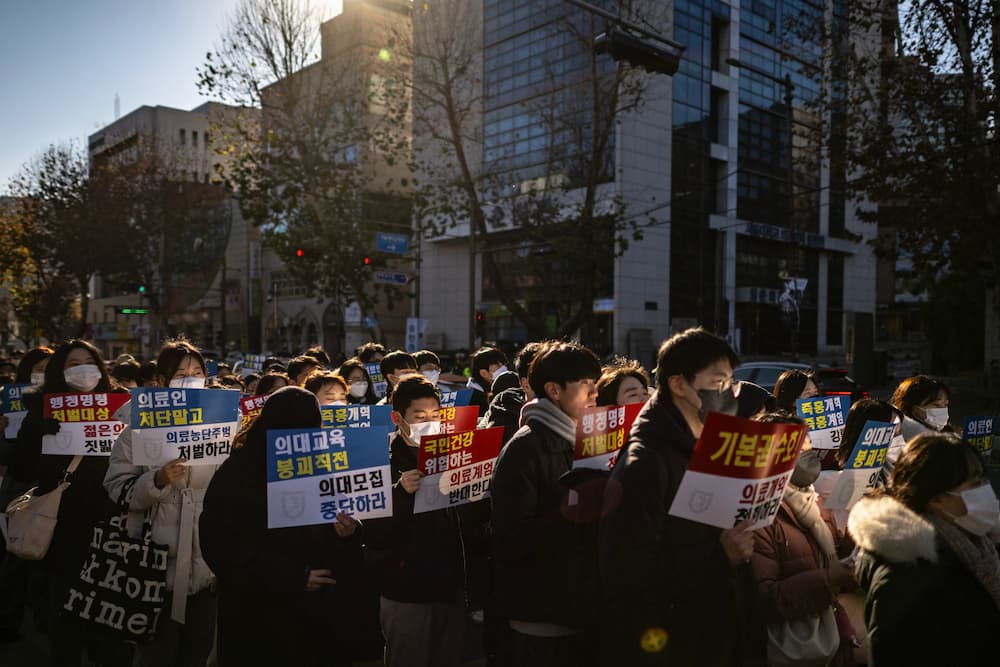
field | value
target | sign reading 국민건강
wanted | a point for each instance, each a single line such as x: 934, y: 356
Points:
x: 86, y: 423
x: 861, y: 471
x: 457, y: 468
x: 194, y: 424
x: 315, y: 474
x: 738, y: 472
x: 601, y: 433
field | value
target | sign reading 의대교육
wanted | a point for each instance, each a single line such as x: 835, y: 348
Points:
x: 738, y: 472
x: 397, y: 244
x: 315, y: 474
x: 86, y: 423
x: 13, y: 408
x: 601, y: 433
x: 457, y: 468
x: 861, y: 471
x: 825, y: 417
x: 356, y: 416
x: 195, y: 424
x: 979, y: 432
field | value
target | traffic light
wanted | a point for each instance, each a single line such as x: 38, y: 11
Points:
x: 142, y: 289
x: 300, y: 252
x: 480, y: 324
x: 133, y: 311
x: 623, y: 45
x: 367, y: 261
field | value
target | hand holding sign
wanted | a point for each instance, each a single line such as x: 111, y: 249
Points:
x: 737, y: 542
x: 410, y: 481
x: 170, y: 473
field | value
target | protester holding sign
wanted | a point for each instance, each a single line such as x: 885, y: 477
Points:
x: 505, y: 407
x: 793, y: 385
x: 75, y: 368
x: 330, y: 389
x: 272, y: 381
x: 928, y: 558
x: 170, y: 498
x: 394, y: 367
x: 419, y: 556
x: 279, y: 591
x: 359, y: 385
x: 680, y: 584
x: 795, y: 561
x: 546, y: 572
x: 487, y: 364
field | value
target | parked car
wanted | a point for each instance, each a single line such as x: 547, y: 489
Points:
x: 832, y: 381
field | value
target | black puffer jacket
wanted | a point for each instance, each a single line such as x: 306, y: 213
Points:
x: 418, y: 556
x: 545, y: 563
x: 664, y: 572
x: 83, y: 504
x: 922, y: 606
x: 505, y: 411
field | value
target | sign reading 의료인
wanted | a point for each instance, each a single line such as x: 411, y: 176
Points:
x: 825, y: 417
x: 315, y: 474
x: 12, y: 406
x: 86, y: 423
x: 457, y: 468
x: 601, y: 433
x: 979, y: 432
x: 356, y: 416
x: 738, y: 472
x: 861, y: 471
x: 194, y: 424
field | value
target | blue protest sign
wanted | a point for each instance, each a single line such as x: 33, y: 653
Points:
x: 456, y: 399
x: 378, y: 382
x: 12, y: 406
x: 979, y: 432
x: 315, y: 474
x: 195, y: 424
x: 356, y: 416
x: 862, y: 468
x: 825, y: 417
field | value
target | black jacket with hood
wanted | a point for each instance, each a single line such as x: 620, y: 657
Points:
x: 661, y: 571
x: 922, y: 606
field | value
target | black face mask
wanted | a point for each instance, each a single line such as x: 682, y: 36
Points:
x: 712, y: 400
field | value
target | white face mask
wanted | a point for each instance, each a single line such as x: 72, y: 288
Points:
x: 497, y: 372
x: 432, y: 376
x: 188, y: 382
x: 982, y: 510
x: 37, y: 379
x: 338, y: 402
x: 359, y: 389
x: 418, y: 431
x: 82, y: 378
x: 936, y: 417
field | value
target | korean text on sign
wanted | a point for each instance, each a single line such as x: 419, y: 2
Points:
x: 460, y: 398
x: 356, y: 416
x: 378, y: 382
x: 457, y: 468
x: 825, y: 417
x: 738, y: 472
x: 979, y: 432
x: 12, y: 406
x: 601, y: 433
x: 250, y: 407
x: 195, y: 424
x: 86, y: 423
x: 315, y: 474
x: 863, y: 467
x: 458, y: 419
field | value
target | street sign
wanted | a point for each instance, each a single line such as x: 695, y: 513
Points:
x: 397, y: 244
x: 391, y: 278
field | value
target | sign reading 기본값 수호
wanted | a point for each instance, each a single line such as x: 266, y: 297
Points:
x: 738, y: 472
x: 315, y: 474
x: 197, y: 425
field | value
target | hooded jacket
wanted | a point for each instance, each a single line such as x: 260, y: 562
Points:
x: 176, y: 510
x: 922, y: 607
x: 666, y: 572
x: 505, y: 411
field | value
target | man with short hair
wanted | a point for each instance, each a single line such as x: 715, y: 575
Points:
x: 395, y: 367
x: 682, y: 590
x: 370, y: 353
x: 487, y: 364
x: 545, y: 563
x: 505, y: 408
x: 300, y: 367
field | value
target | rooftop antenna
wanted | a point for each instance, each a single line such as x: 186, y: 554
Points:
x: 118, y: 106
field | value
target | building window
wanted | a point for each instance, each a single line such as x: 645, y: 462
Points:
x: 183, y: 137
x: 194, y: 138
x: 204, y: 139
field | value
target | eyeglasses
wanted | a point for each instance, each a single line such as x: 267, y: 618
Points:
x: 726, y: 384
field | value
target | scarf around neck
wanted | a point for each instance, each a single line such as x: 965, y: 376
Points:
x: 549, y: 414
x: 804, y: 503
x: 977, y: 554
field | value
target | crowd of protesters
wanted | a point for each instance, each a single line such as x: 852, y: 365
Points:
x: 560, y: 566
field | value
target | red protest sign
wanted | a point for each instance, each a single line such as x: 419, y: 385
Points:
x: 738, y: 471
x: 91, y: 407
x: 458, y: 419
x: 442, y: 452
x: 250, y: 407
x: 601, y: 433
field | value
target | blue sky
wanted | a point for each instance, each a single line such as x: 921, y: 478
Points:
x: 63, y: 61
